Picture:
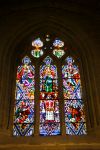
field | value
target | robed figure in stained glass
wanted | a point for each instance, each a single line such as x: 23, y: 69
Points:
x: 49, y: 104
x: 24, y: 104
x: 73, y: 103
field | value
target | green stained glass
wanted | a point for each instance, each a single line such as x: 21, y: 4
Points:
x: 37, y: 53
x: 49, y: 103
x: 58, y: 52
x: 48, y: 84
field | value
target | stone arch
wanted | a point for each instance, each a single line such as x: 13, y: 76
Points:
x: 65, y: 29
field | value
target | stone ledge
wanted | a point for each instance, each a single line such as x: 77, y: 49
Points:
x: 70, y: 146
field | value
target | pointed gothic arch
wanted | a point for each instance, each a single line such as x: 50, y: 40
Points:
x: 52, y: 100
x: 49, y: 101
x: 24, y: 99
x: 73, y: 103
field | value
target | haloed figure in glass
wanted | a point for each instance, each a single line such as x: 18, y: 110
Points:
x: 49, y: 104
x: 24, y: 104
x: 72, y: 91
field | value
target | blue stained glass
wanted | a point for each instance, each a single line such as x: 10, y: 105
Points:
x: 78, y: 128
x: 24, y: 95
x: 47, y: 60
x: 73, y: 103
x: 72, y: 88
x: 58, y: 51
x: 50, y: 129
x: 23, y: 129
x: 37, y: 51
x: 58, y: 43
x: 49, y: 104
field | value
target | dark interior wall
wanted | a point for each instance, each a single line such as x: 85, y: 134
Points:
x: 77, y: 24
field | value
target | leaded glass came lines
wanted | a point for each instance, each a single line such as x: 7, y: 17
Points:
x: 73, y: 103
x: 49, y: 103
x: 24, y: 104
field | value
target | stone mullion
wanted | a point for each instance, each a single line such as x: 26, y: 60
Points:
x: 37, y: 101
x: 61, y: 99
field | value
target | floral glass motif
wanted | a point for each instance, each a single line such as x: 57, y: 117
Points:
x: 37, y: 51
x: 73, y: 103
x: 58, y: 51
x: 49, y: 103
x: 24, y: 105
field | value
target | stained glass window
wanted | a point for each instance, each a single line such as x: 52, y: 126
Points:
x: 73, y: 103
x: 58, y: 51
x: 48, y: 121
x: 49, y: 103
x: 37, y: 51
x: 24, y: 104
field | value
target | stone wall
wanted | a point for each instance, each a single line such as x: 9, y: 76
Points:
x: 76, y: 24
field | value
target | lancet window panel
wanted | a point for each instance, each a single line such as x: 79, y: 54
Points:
x: 24, y: 99
x: 49, y: 103
x: 73, y: 103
